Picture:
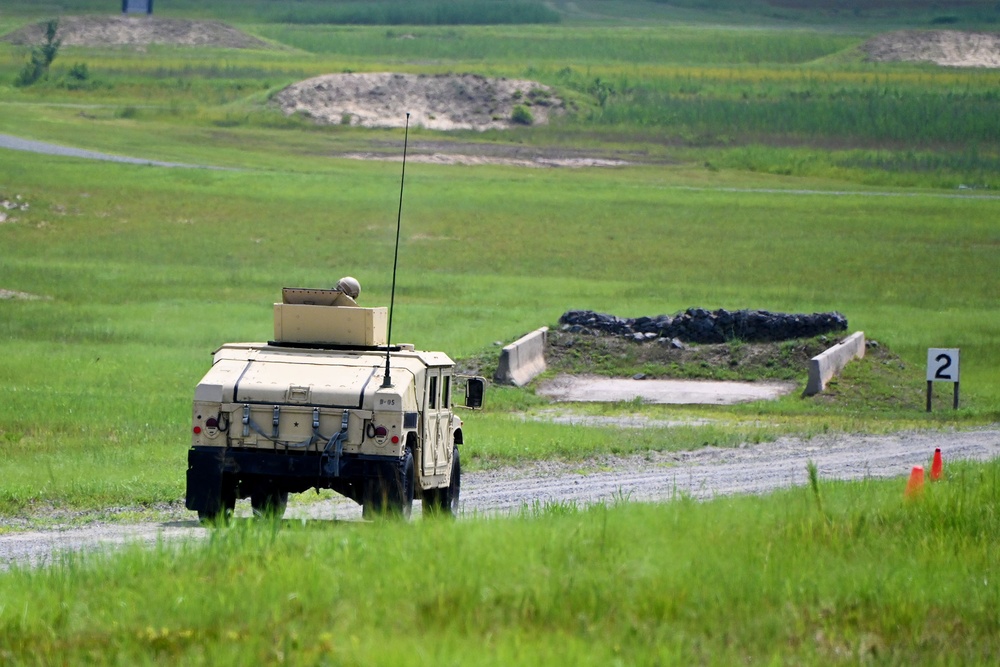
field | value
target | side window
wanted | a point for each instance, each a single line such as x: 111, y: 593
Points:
x: 432, y: 399
x: 446, y: 392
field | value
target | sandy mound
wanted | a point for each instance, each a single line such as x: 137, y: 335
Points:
x: 437, y: 102
x: 138, y: 31
x: 950, y: 48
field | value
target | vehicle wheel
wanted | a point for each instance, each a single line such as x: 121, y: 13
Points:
x: 269, y: 504
x: 445, y: 501
x: 449, y: 496
x: 225, y: 514
x: 431, y: 501
x: 391, y: 497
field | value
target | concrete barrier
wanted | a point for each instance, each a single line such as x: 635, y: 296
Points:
x: 825, y: 365
x: 523, y: 360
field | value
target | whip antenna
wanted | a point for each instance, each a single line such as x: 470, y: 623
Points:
x: 387, y: 382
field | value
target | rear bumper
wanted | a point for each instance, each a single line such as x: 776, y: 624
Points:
x: 217, y: 473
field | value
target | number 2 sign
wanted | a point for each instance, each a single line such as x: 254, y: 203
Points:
x: 942, y: 366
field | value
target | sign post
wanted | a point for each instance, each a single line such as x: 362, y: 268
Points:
x: 942, y: 366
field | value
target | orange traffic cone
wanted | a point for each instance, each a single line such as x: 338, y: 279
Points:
x: 915, y: 486
x: 937, y: 467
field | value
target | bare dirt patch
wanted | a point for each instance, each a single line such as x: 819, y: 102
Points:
x: 436, y: 102
x: 473, y: 160
x: 14, y: 295
x: 138, y: 31
x: 949, y: 48
x: 594, y: 389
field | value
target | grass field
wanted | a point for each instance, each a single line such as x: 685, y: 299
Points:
x: 772, y: 169
x: 786, y: 209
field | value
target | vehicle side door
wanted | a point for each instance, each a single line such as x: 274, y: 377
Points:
x: 431, y: 417
x: 444, y: 440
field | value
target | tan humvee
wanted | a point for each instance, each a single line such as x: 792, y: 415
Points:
x: 313, y: 409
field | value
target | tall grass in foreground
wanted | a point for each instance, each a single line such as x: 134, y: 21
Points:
x: 835, y: 574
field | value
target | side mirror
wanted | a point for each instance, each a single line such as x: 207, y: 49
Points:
x: 475, y: 389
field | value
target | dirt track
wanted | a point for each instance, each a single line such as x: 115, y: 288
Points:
x: 701, y: 474
x: 138, y: 31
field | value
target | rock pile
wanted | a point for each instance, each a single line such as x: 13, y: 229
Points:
x: 697, y: 325
x: 7, y: 204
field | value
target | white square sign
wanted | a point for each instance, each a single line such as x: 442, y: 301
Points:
x: 942, y: 364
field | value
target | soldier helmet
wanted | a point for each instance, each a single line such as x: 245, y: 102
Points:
x: 349, y: 286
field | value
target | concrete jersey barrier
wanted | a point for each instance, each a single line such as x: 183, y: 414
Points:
x: 523, y: 360
x: 825, y: 365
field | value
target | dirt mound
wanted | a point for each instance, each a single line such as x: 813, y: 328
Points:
x: 138, y: 31
x: 879, y: 381
x: 950, y: 48
x: 574, y: 353
x: 437, y: 102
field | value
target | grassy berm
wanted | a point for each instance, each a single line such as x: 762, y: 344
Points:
x: 880, y: 380
x: 736, y: 360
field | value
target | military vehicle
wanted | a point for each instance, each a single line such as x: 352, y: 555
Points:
x: 328, y: 404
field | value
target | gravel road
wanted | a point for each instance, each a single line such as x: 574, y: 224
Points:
x: 701, y: 474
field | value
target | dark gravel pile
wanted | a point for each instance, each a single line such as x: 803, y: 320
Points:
x: 697, y: 325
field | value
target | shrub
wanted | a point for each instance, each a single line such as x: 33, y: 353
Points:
x: 521, y: 115
x: 79, y: 72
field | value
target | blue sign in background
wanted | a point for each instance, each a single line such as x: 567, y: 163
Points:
x: 137, y: 6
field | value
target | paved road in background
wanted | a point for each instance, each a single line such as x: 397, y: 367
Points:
x: 13, y: 143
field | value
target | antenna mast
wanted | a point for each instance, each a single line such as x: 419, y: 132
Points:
x: 387, y: 382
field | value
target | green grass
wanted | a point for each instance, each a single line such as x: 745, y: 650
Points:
x: 578, y: 47
x: 790, y: 102
x: 753, y: 198
x: 148, y: 270
x: 777, y: 171
x: 833, y: 573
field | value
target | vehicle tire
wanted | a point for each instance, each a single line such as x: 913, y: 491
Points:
x: 393, y: 496
x: 445, y: 501
x: 373, y: 501
x: 227, y: 500
x: 269, y: 504
x: 431, y: 501
x: 449, y: 496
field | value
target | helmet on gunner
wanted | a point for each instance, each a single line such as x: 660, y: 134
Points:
x: 349, y: 286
